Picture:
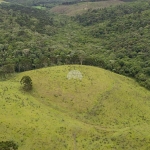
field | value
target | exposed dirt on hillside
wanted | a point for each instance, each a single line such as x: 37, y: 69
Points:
x: 79, y: 8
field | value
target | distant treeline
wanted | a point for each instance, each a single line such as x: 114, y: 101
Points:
x: 47, y: 3
x: 52, y: 3
x: 80, y: 1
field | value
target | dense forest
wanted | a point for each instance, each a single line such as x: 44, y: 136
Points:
x: 24, y: 31
x: 124, y: 34
x: 114, y: 38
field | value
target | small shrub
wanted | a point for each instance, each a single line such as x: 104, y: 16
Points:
x: 8, y: 145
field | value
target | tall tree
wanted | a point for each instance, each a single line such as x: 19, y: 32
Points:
x: 26, y: 82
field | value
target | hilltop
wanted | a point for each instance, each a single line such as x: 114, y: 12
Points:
x: 104, y: 110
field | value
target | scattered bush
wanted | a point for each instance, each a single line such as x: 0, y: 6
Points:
x: 8, y: 145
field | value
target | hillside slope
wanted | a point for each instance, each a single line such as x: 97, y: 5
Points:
x: 102, y: 111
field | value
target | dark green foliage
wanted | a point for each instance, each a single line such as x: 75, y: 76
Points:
x: 26, y: 82
x: 29, y: 17
x: 111, y: 14
x: 8, y: 145
x: 8, y: 68
x: 22, y: 43
x: 123, y: 31
x: 2, y: 74
x: 114, y: 38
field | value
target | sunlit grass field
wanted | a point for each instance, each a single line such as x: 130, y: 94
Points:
x: 102, y: 111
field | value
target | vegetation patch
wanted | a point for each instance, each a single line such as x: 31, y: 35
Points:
x: 8, y: 145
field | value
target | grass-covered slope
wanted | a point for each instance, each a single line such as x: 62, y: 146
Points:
x: 102, y: 111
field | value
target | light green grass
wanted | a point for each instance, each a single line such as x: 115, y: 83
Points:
x: 79, y: 8
x: 102, y: 111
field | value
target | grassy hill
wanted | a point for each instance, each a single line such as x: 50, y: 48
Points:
x: 102, y: 111
x: 80, y: 8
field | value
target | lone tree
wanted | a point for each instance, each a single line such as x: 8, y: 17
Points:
x: 82, y: 56
x: 26, y: 82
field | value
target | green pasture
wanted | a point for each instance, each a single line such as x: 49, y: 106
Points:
x: 102, y: 111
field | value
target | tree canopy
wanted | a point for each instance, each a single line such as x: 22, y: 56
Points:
x: 26, y: 82
x: 8, y: 145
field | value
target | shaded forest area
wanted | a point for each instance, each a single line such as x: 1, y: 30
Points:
x: 22, y: 41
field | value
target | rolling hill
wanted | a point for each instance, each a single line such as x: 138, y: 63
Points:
x: 102, y: 111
